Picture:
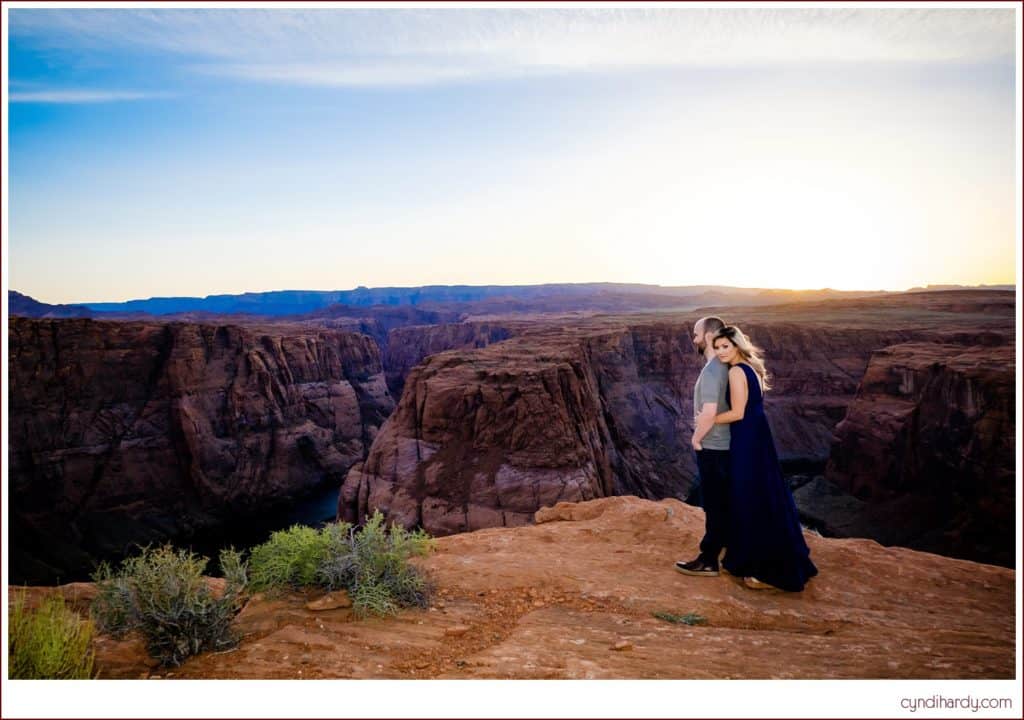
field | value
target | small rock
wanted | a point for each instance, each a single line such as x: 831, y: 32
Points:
x: 331, y: 601
x: 622, y: 645
x: 456, y: 630
x: 538, y: 603
x: 422, y: 665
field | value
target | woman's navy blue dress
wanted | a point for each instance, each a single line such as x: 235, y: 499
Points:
x: 765, y: 540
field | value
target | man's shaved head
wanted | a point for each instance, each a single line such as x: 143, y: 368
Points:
x: 702, y: 329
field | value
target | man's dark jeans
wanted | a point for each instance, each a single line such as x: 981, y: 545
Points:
x: 714, y: 481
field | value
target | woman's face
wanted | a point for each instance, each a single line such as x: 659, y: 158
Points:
x: 726, y: 351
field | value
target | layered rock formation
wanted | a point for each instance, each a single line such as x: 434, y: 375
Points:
x: 486, y: 437
x: 406, y: 347
x: 124, y: 433
x: 377, y: 321
x: 510, y: 441
x: 926, y: 451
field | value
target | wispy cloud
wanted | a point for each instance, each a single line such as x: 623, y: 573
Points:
x: 374, y: 72
x: 79, y: 96
x: 424, y: 46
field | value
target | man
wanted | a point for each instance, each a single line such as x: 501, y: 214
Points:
x: 711, y: 443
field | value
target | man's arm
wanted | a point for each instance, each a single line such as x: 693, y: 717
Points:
x: 705, y: 421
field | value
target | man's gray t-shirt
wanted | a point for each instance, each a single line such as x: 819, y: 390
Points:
x: 713, y: 387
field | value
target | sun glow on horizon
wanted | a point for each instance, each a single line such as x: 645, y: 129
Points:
x: 875, y: 153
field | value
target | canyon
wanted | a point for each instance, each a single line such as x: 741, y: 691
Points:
x: 127, y: 433
x: 884, y: 408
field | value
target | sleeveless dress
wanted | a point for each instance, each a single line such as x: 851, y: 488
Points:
x: 765, y: 540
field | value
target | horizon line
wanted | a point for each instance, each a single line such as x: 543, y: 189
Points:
x: 937, y: 285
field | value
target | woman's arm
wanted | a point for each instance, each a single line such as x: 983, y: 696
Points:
x: 737, y: 397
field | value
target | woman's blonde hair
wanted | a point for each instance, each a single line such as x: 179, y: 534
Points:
x: 748, y: 351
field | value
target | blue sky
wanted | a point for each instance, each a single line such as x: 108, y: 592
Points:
x: 193, y: 152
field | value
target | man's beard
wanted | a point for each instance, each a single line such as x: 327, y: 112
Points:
x: 700, y: 350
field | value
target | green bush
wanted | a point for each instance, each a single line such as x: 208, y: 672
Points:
x: 292, y: 557
x: 370, y: 563
x: 163, y: 594
x: 687, y: 619
x: 50, y: 642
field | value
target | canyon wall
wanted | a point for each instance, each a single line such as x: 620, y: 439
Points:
x: 132, y: 432
x: 925, y: 455
x: 485, y: 437
x: 124, y: 432
x: 404, y: 348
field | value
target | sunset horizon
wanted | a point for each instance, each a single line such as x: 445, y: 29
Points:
x: 175, y: 151
x: 940, y: 286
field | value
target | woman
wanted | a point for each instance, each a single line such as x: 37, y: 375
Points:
x: 766, y: 544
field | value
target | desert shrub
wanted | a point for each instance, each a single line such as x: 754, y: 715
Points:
x: 163, y: 594
x: 48, y: 643
x: 371, y: 563
x: 292, y: 557
x: 685, y: 619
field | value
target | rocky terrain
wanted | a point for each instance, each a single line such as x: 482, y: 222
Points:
x: 485, y: 437
x: 925, y: 455
x: 488, y: 436
x: 574, y: 596
x: 496, y: 418
x: 125, y: 433
x: 406, y: 347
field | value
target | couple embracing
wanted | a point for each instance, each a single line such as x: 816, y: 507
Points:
x: 749, y: 509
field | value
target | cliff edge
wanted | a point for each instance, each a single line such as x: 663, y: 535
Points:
x: 575, y: 595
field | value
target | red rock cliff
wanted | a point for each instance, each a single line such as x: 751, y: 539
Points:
x: 927, y: 447
x: 135, y: 432
x: 486, y: 437
x: 407, y: 346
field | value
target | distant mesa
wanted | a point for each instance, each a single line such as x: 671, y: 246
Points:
x: 469, y: 299
x: 26, y: 306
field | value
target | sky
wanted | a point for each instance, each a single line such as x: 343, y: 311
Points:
x: 188, y: 152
